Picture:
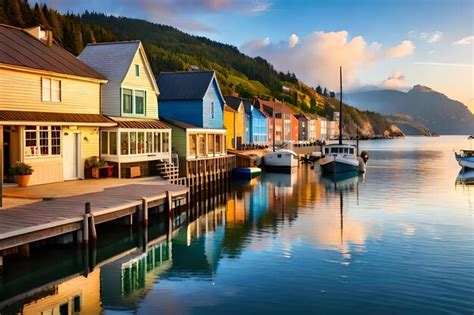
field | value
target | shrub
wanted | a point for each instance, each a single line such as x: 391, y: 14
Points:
x: 20, y: 168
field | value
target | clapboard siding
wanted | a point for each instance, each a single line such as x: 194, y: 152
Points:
x: 179, y: 141
x: 143, y: 82
x: 111, y: 100
x: 22, y: 91
x: 215, y: 121
x: 189, y: 111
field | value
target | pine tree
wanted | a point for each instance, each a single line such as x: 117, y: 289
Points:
x: 325, y: 93
x: 13, y: 13
x: 38, y: 16
x: 319, y: 90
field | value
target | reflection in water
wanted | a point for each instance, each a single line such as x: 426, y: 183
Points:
x: 397, y: 241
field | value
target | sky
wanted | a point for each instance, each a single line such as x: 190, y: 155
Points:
x: 380, y: 44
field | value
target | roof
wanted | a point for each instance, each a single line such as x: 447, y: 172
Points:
x: 59, y: 118
x: 233, y: 101
x: 191, y: 85
x: 180, y: 124
x: 301, y: 116
x: 113, y: 59
x: 140, y: 123
x: 229, y: 109
x: 19, y: 48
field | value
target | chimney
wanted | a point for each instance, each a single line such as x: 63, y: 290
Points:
x: 45, y: 36
x: 49, y: 38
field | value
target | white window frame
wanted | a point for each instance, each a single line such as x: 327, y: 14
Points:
x: 37, y: 150
x: 134, y: 107
x: 47, y: 92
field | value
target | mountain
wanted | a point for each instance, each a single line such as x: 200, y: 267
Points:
x: 169, y: 49
x: 427, y: 107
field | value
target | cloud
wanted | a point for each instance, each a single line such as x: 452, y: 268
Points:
x: 405, y: 48
x: 447, y: 64
x: 184, y: 14
x: 427, y: 37
x: 293, y: 40
x: 465, y: 41
x: 317, y: 57
x: 396, y: 81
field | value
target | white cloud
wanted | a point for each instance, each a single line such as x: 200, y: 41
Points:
x: 435, y: 37
x: 405, y: 48
x: 293, y: 40
x: 255, y: 45
x: 426, y: 36
x: 465, y: 41
x: 396, y: 81
x: 447, y: 64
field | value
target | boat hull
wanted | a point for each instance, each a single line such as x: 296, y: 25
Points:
x: 465, y: 162
x: 335, y: 166
x: 246, y: 172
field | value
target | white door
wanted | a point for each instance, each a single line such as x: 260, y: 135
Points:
x: 71, y: 156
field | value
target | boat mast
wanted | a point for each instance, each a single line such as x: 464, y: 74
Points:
x: 274, y: 131
x: 340, y: 105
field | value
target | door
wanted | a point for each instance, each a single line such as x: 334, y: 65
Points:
x: 71, y: 156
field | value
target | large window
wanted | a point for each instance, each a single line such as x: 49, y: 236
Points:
x: 141, y: 142
x: 202, y: 145
x: 113, y: 143
x: 124, y: 143
x: 218, y: 143
x: 210, y: 141
x: 133, y: 142
x: 133, y: 102
x: 166, y: 142
x: 104, y: 144
x: 50, y: 90
x: 192, y: 145
x: 157, y: 141
x: 149, y: 142
x: 136, y: 142
x: 108, y: 142
x: 42, y: 141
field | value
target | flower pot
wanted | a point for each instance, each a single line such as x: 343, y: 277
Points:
x: 107, y: 171
x: 23, y: 180
x: 95, y: 172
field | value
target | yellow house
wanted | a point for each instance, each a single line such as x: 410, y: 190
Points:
x: 49, y: 106
x: 234, y: 121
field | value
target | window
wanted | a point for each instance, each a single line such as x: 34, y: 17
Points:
x: 218, y: 143
x: 210, y: 143
x: 140, y: 102
x: 149, y: 142
x: 137, y: 70
x: 50, y: 90
x: 124, y: 143
x: 113, y: 143
x: 141, y: 142
x: 127, y: 101
x: 157, y: 140
x: 104, y: 145
x: 133, y: 143
x: 166, y: 142
x: 202, y: 144
x: 192, y: 145
x: 42, y: 141
x: 77, y: 303
x: 212, y: 110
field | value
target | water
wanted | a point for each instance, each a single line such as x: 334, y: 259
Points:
x: 398, y: 240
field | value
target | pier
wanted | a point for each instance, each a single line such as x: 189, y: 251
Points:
x: 75, y: 217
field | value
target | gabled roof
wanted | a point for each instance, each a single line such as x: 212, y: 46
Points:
x: 19, y: 48
x: 229, y: 109
x: 114, y: 59
x: 191, y: 85
x: 8, y: 117
x: 233, y: 101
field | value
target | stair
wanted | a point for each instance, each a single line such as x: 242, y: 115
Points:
x: 170, y: 172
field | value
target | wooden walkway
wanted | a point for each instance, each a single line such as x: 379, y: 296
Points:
x: 39, y: 220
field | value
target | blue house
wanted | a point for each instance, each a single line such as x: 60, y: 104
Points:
x: 193, y: 105
x: 192, y: 97
x: 256, y: 122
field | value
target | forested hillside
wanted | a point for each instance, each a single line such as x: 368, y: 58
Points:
x: 169, y: 49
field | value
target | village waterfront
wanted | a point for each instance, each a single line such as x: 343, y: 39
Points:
x: 398, y: 239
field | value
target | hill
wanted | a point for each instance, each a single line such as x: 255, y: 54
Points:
x: 169, y: 49
x: 426, y: 107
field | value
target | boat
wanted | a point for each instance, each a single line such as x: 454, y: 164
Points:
x: 246, y: 172
x: 465, y: 158
x: 284, y: 160
x: 341, y: 158
x: 465, y: 177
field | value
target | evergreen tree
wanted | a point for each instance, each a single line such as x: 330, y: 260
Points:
x: 13, y: 13
x: 325, y: 93
x: 38, y: 16
x: 332, y: 94
x: 26, y: 12
x: 319, y: 90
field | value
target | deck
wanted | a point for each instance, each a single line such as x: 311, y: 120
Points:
x: 35, y: 221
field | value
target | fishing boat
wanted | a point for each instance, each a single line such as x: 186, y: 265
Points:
x: 246, y: 172
x: 284, y: 160
x: 341, y: 158
x: 465, y: 158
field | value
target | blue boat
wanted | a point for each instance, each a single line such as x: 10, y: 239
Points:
x: 246, y: 172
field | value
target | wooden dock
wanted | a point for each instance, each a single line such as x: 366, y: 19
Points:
x: 22, y: 225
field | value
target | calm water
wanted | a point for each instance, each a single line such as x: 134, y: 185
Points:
x: 398, y: 240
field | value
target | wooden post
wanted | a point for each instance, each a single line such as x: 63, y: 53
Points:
x: 24, y: 250
x: 1, y: 168
x: 85, y: 229
x: 93, y: 230
x: 1, y: 263
x: 79, y: 237
x: 169, y: 201
x: 145, y: 211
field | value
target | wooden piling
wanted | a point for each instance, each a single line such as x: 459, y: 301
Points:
x: 85, y: 230
x: 93, y: 229
x: 145, y: 211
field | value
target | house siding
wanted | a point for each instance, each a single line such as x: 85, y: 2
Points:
x: 179, y: 141
x: 212, y: 96
x: 143, y: 82
x: 189, y: 111
x: 111, y: 99
x: 21, y: 91
x: 259, y: 128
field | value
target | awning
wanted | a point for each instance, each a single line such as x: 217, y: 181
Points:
x: 139, y: 123
x: 8, y: 117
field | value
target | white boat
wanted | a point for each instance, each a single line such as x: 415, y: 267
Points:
x: 284, y: 160
x: 465, y: 158
x: 339, y: 158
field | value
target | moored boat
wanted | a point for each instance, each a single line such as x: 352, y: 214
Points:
x: 246, y: 172
x: 339, y: 158
x: 284, y: 160
x: 465, y: 158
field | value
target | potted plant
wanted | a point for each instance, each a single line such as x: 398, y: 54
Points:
x: 105, y: 169
x: 22, y: 172
x: 91, y: 166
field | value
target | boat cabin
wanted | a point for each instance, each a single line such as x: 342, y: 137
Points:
x: 339, y: 149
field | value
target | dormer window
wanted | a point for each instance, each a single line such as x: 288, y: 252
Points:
x: 137, y: 70
x: 50, y: 90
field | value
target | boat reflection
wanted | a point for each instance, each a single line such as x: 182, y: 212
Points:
x: 465, y: 177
